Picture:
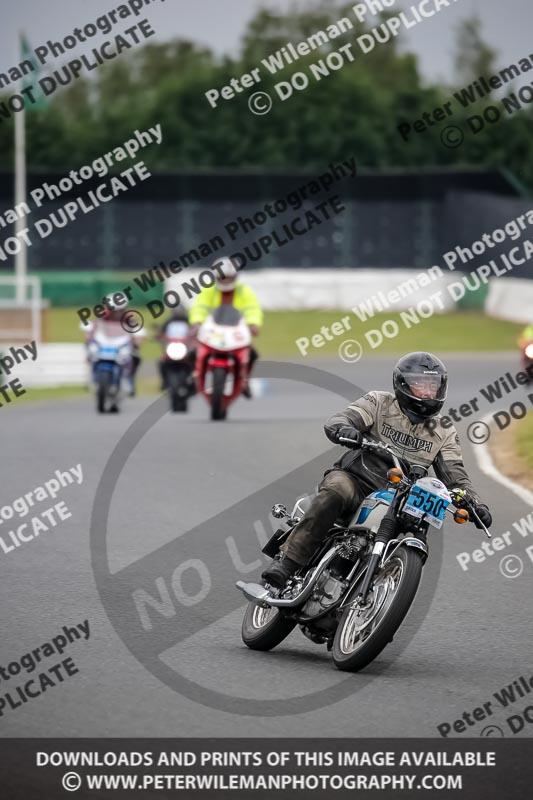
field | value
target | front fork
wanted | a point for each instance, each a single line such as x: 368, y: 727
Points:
x: 386, y: 532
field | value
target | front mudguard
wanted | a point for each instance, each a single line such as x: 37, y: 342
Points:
x: 391, y: 548
x: 408, y: 541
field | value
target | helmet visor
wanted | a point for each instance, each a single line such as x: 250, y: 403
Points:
x: 424, y: 386
x: 226, y: 284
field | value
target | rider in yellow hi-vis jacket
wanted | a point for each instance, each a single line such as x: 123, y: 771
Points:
x: 526, y: 336
x: 228, y: 289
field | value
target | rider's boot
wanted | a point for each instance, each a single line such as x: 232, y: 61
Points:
x: 279, y: 571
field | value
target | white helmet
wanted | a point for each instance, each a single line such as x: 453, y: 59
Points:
x: 226, y: 274
x: 111, y: 306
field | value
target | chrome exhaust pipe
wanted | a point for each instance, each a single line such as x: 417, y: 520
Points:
x: 260, y: 596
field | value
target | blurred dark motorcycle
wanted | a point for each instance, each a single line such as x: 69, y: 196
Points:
x: 177, y: 362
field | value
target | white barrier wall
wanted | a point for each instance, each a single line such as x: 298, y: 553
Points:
x: 511, y: 298
x: 337, y: 289
x: 56, y: 365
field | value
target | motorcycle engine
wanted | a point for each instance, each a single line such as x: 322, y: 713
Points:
x: 326, y: 593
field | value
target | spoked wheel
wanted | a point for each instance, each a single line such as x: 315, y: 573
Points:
x: 264, y: 628
x: 364, y: 631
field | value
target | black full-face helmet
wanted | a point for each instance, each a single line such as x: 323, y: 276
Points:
x: 420, y: 383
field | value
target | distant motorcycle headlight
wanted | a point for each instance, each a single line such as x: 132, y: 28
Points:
x: 529, y: 351
x: 176, y: 351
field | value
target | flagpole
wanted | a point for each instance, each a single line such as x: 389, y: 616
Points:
x: 21, y: 258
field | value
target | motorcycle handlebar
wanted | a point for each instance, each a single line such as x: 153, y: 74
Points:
x: 460, y: 498
x: 369, y: 444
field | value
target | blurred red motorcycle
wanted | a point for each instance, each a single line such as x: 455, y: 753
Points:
x: 222, y: 358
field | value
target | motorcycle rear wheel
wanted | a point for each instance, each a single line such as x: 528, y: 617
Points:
x: 363, y: 633
x: 264, y: 628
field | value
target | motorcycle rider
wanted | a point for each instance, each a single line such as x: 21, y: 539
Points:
x: 111, y: 323
x: 229, y: 290
x: 400, y: 420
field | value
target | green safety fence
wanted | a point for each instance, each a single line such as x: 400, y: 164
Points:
x: 474, y: 301
x: 88, y: 288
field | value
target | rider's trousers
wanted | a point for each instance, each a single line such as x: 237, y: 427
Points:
x: 337, y: 494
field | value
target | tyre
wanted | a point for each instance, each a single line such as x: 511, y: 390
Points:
x: 264, y: 628
x: 102, y: 387
x: 217, y: 396
x: 178, y: 392
x: 363, y: 633
x: 177, y: 403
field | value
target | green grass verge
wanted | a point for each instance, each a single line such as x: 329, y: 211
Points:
x: 145, y: 387
x: 457, y: 332
x: 523, y: 440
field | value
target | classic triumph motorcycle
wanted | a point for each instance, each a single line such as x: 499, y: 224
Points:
x: 356, y: 590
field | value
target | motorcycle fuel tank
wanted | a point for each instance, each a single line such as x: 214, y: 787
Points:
x: 372, y: 510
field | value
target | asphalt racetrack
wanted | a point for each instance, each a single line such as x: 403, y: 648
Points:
x: 189, y: 508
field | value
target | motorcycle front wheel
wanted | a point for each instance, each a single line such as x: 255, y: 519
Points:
x: 179, y: 392
x: 217, y: 398
x: 264, y: 628
x: 103, y: 381
x: 364, y: 631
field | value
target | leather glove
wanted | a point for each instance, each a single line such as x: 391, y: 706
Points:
x: 484, y: 515
x: 355, y: 437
